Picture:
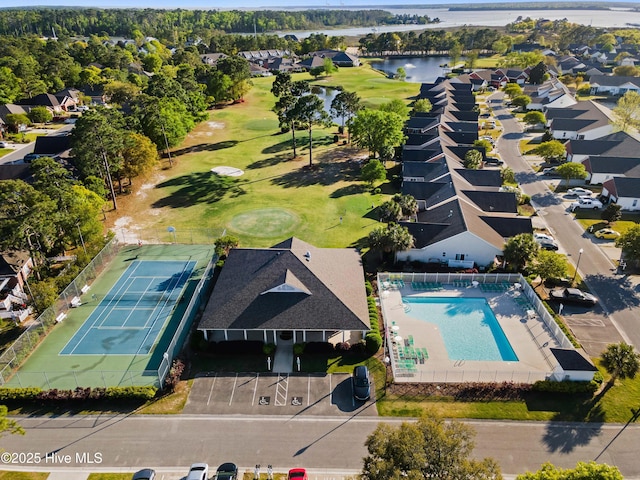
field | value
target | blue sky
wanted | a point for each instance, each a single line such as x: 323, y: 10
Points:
x: 214, y: 4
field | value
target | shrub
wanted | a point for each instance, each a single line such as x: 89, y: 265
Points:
x: 198, y: 343
x: 598, y: 378
x: 342, y: 347
x: 172, y: 379
x: 565, y: 387
x: 130, y: 393
x: 237, y: 347
x: 269, y: 348
x: 358, y: 348
x: 319, y: 347
x: 368, y: 287
x: 298, y: 348
x: 13, y: 394
x: 30, y: 394
x: 373, y: 342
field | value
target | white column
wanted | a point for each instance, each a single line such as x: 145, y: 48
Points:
x: 304, y: 336
x: 226, y: 337
x: 264, y: 336
x: 245, y: 335
x: 275, y: 337
x: 206, y: 335
x: 324, y: 335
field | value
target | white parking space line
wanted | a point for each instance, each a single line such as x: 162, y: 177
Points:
x: 308, y: 390
x: 331, y: 389
x: 211, y: 390
x: 283, y: 383
x: 235, y: 381
x: 255, y: 389
x: 585, y: 322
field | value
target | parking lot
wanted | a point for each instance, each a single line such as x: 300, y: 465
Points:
x: 276, y: 394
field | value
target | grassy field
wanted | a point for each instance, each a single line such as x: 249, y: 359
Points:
x: 278, y: 196
x: 10, y: 475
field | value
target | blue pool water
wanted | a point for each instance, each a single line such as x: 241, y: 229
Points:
x: 468, y: 327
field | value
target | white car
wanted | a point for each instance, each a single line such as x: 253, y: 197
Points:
x: 543, y: 236
x: 198, y: 471
x: 586, y: 203
x: 4, y: 145
x: 579, y: 192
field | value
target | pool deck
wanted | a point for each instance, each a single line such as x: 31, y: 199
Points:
x: 528, y: 335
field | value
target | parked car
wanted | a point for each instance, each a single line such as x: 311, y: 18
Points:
x: 82, y: 108
x: 607, y: 233
x: 585, y: 203
x: 579, y: 192
x: 144, y: 474
x: 198, y: 471
x: 543, y: 236
x: 493, y: 161
x: 485, y: 115
x: 227, y: 471
x: 573, y: 295
x: 547, y: 244
x: 361, y: 383
x: 550, y: 171
x: 4, y: 145
x: 298, y: 474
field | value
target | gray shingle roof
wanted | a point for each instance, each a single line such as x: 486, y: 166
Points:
x: 629, y: 166
x: 333, y: 277
x: 627, y: 187
x: 612, y: 80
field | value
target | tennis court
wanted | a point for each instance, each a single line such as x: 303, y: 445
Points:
x: 129, y: 318
x: 119, y: 332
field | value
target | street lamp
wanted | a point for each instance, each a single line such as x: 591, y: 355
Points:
x: 577, y: 266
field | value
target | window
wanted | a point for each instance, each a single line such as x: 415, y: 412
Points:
x: 460, y: 256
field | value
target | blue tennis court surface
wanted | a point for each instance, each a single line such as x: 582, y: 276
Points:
x: 129, y: 318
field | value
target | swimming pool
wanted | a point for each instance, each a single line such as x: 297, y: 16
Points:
x: 468, y: 327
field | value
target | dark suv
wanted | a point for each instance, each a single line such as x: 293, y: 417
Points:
x: 361, y: 383
x: 227, y: 471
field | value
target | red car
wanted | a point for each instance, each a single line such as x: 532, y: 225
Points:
x: 298, y: 474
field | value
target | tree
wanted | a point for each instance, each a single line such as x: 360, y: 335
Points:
x: 571, y: 170
x: 401, y: 74
x: 345, y: 105
x: 626, y: 71
x: 288, y: 93
x: 422, y: 105
x: 512, y: 90
x: 329, y: 67
x: 472, y: 60
x: 390, y: 239
x: 612, y: 213
x: 225, y: 244
x: 239, y: 72
x: 10, y: 89
x: 627, y: 111
x: 621, y: 361
x: 427, y: 449
x: 521, y: 101
x: 396, y: 106
x: 309, y: 110
x: 534, y: 117
x: 537, y: 73
x: 373, y: 171
x: 407, y: 203
x: 472, y: 159
x: 389, y: 211
x: 455, y: 52
x: 549, y: 264
x: 7, y: 425
x: 583, y: 471
x: 508, y: 175
x: 315, y: 72
x: 15, y: 120
x: 484, y: 144
x: 551, y: 151
x: 40, y: 115
x: 139, y: 156
x: 629, y: 242
x: 375, y: 130
x: 520, y: 250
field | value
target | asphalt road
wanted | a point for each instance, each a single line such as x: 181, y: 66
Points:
x: 619, y: 313
x: 321, y: 444
x: 22, y: 149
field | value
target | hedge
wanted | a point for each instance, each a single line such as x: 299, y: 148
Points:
x: 8, y: 395
x: 565, y: 387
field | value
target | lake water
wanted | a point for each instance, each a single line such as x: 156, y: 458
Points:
x: 419, y: 69
x: 487, y: 18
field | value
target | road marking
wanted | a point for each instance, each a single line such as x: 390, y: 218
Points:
x: 255, y: 389
x: 308, y: 390
x: 585, y: 322
x: 235, y: 381
x: 211, y: 391
x: 283, y: 383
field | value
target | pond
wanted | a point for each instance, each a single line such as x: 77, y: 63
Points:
x: 418, y: 69
x: 327, y: 94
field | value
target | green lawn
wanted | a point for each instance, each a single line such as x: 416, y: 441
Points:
x: 11, y: 475
x: 526, y: 146
x: 589, y: 218
x: 110, y: 476
x: 5, y: 151
x: 278, y: 196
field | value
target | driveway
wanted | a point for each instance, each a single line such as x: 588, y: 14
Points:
x: 618, y: 294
